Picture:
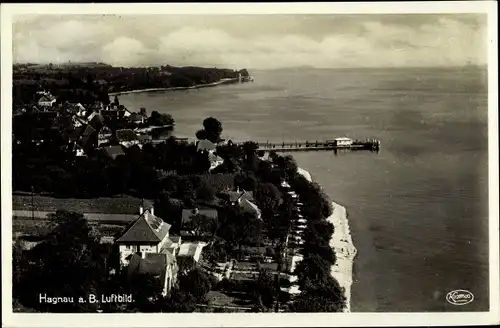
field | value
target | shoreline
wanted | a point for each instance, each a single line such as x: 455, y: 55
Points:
x: 196, y: 86
x: 343, y: 246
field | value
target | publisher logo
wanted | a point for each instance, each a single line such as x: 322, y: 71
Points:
x: 459, y: 297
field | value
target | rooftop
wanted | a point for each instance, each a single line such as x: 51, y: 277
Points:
x: 205, y: 145
x: 147, y: 229
x: 114, y: 151
x: 234, y: 196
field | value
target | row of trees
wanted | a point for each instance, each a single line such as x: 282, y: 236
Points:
x: 320, y: 291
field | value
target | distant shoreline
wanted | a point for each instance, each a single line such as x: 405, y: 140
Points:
x: 196, y: 86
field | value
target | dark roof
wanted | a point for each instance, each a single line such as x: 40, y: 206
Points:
x: 97, y: 119
x: 46, y: 98
x: 154, y: 264
x: 126, y: 135
x: 205, y: 145
x: 235, y: 195
x: 114, y: 151
x: 147, y: 229
x: 250, y: 207
x: 87, y: 134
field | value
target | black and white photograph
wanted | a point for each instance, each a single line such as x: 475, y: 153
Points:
x: 262, y: 159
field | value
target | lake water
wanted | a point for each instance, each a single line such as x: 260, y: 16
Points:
x: 418, y: 209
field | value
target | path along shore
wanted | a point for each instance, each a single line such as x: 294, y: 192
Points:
x: 196, y: 86
x: 341, y: 243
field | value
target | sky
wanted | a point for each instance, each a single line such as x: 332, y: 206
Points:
x: 254, y: 41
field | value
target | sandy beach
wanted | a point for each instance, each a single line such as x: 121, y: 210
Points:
x: 341, y: 243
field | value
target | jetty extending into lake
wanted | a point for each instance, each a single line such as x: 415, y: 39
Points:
x: 317, y: 145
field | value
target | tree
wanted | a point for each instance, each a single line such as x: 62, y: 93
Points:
x: 201, y: 225
x: 205, y: 193
x: 186, y: 191
x: 157, y: 119
x: 196, y: 283
x: 324, y: 295
x: 240, y: 227
x: 268, y: 198
x: 201, y: 162
x: 308, y: 302
x: 246, y: 180
x: 170, y: 210
x: 201, y: 134
x: 213, y: 129
x: 178, y: 301
x: 145, y: 290
x: 250, y: 148
x: 68, y: 263
x: 266, y: 288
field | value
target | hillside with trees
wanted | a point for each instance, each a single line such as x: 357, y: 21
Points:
x: 87, y: 83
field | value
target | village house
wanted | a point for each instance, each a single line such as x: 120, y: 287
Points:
x: 104, y: 135
x: 119, y: 111
x: 46, y: 100
x: 145, y: 248
x: 215, y: 161
x: 244, y: 199
x: 114, y: 151
x: 78, y: 150
x: 189, y: 255
x: 78, y: 121
x: 236, y: 196
x: 88, y: 139
x: 74, y: 108
x: 249, y: 207
x: 96, y: 120
x: 96, y: 107
x: 206, y: 145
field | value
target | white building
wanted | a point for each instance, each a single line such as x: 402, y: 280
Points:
x: 145, y: 247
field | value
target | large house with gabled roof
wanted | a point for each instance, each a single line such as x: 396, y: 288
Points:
x: 145, y: 248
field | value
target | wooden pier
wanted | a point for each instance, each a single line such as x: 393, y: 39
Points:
x: 317, y: 145
x: 337, y: 144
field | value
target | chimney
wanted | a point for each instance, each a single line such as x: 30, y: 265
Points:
x: 237, y: 188
x: 141, y: 210
x: 152, y: 210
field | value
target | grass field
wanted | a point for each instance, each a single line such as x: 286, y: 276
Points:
x: 105, y: 205
x: 40, y: 227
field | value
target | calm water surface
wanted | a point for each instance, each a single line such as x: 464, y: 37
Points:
x: 418, y: 209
